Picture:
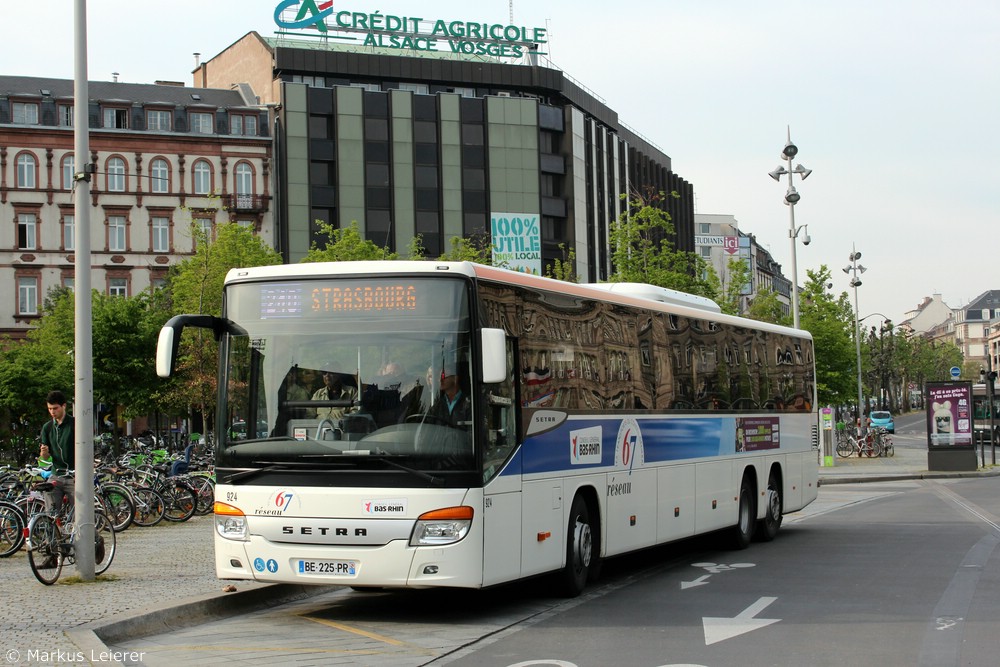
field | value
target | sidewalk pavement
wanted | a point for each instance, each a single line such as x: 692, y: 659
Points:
x: 908, y: 462
x: 163, y: 578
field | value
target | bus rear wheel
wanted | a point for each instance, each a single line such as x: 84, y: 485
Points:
x: 742, y: 533
x: 580, y: 549
x: 768, y: 527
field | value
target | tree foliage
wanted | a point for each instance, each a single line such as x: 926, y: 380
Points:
x: 830, y: 321
x: 641, y: 249
x: 730, y: 289
x: 124, y: 332
x: 195, y: 286
x: 346, y: 244
x: 766, y: 307
x: 476, y: 248
x: 565, y: 268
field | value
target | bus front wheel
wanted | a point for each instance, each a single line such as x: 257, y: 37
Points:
x: 580, y: 549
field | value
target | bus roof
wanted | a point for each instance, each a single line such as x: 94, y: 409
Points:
x: 634, y: 294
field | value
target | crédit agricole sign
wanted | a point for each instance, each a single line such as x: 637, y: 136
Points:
x: 408, y: 33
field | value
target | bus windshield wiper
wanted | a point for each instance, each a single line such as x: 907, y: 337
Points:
x: 269, y: 466
x: 383, y: 457
x: 435, y: 481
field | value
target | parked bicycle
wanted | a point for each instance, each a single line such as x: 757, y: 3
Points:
x: 11, y: 528
x: 180, y: 499
x: 52, y: 536
x: 867, y: 445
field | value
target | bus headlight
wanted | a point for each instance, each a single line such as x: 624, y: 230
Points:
x: 444, y: 526
x: 230, y: 522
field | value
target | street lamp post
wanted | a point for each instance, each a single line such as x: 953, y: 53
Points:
x: 853, y: 269
x: 792, y: 197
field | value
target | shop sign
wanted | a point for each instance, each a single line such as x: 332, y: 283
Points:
x: 407, y: 33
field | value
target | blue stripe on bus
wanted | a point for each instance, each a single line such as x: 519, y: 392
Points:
x: 662, y: 440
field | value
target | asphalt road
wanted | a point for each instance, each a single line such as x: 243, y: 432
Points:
x: 896, y: 573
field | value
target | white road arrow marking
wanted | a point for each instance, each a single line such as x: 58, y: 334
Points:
x: 721, y: 629
x: 700, y: 581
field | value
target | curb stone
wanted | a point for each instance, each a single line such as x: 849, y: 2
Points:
x: 93, y: 638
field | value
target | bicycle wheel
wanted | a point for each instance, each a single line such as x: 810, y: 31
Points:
x: 104, y: 542
x: 30, y: 505
x: 888, y: 447
x: 149, y: 506
x: 204, y: 487
x: 179, y: 502
x: 11, y: 529
x: 845, y: 448
x: 44, y: 553
x: 119, y: 505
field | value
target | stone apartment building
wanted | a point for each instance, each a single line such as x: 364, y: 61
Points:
x: 165, y: 158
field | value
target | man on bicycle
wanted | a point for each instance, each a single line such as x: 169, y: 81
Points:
x: 59, y: 444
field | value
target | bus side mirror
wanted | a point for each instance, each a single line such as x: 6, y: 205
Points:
x: 170, y: 338
x: 166, y: 351
x: 493, y: 345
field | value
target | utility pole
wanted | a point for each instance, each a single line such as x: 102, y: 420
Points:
x: 83, y: 412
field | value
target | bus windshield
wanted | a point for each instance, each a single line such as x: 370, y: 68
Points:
x: 354, y: 372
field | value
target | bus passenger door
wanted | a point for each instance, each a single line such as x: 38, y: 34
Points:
x: 502, y: 479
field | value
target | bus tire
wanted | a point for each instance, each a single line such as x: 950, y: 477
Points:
x: 768, y: 527
x: 580, y: 549
x: 746, y: 517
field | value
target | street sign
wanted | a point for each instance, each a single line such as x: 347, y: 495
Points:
x: 955, y: 372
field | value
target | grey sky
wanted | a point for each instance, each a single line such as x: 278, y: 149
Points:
x: 892, y: 103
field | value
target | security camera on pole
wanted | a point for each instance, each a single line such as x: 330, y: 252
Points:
x: 791, y: 199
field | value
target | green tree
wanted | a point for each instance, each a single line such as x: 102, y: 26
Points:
x: 831, y: 323
x: 731, y: 288
x: 476, y: 248
x: 766, y: 307
x: 641, y: 250
x: 124, y: 331
x: 565, y: 268
x: 195, y: 286
x: 347, y: 244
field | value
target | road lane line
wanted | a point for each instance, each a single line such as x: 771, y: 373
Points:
x: 365, y: 633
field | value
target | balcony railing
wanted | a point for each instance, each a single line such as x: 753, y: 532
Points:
x: 242, y: 202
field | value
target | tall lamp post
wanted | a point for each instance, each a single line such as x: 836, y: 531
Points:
x: 792, y: 197
x: 853, y: 269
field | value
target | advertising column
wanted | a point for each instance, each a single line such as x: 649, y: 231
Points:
x: 949, y: 426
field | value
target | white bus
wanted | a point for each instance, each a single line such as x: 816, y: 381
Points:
x: 430, y: 424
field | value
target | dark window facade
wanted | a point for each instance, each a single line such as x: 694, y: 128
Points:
x: 322, y: 163
x: 378, y: 170
x: 475, y: 199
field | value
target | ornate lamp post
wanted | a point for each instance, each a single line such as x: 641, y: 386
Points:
x: 853, y: 269
x: 792, y: 197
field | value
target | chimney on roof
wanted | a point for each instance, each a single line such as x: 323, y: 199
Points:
x: 179, y: 84
x: 197, y: 57
x: 114, y: 77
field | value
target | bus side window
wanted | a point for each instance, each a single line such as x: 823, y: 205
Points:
x: 501, y: 422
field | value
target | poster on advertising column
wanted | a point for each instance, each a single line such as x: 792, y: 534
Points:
x: 517, y: 241
x: 949, y: 414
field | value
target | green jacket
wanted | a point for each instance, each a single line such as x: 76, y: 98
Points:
x: 61, y: 440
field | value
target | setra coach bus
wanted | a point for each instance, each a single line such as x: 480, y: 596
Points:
x: 451, y: 424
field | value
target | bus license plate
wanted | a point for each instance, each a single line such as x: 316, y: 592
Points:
x: 330, y: 568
